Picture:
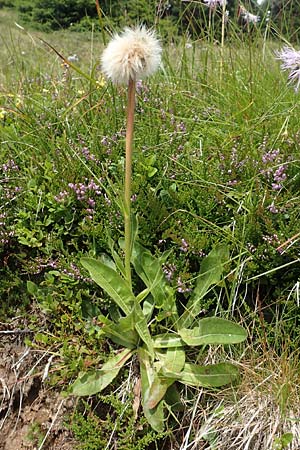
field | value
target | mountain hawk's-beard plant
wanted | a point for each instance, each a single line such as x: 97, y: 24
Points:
x: 134, y: 54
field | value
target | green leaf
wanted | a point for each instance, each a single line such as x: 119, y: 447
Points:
x: 93, y: 382
x: 111, y: 282
x: 118, y: 261
x: 152, y: 171
x: 141, y: 327
x: 32, y: 288
x: 174, y: 360
x: 210, y: 274
x: 148, y: 307
x: 167, y: 340
x: 282, y: 442
x: 215, y: 375
x: 171, y: 361
x: 105, y: 259
x: 121, y: 293
x: 158, y: 389
x: 122, y: 333
x: 155, y: 416
x: 213, y: 330
x: 149, y: 269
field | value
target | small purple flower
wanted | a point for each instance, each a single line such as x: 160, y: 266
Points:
x: 270, y: 156
x: 92, y: 186
x: 280, y: 174
x: 169, y: 270
x: 104, y: 141
x: 182, y: 127
x: 61, y: 196
x: 91, y: 202
x: 290, y: 59
x: 88, y: 155
x: 107, y: 200
x: 276, y: 186
x: 140, y: 87
x: 271, y: 239
x: 10, y: 165
x: 163, y: 114
x: 181, y: 286
x: 184, y: 246
x: 272, y: 208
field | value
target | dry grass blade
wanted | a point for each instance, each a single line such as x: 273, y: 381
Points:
x: 262, y: 414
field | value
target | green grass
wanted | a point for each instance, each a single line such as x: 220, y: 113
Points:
x: 208, y: 143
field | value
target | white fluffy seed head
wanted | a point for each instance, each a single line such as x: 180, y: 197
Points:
x: 134, y: 54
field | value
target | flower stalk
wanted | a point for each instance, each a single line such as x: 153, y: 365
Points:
x: 134, y: 54
x: 128, y: 176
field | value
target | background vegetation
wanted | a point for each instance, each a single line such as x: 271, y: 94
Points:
x: 216, y: 161
x: 172, y: 18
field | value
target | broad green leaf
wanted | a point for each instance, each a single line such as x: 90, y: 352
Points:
x: 174, y: 361
x: 215, y: 375
x: 120, y: 292
x: 171, y: 361
x: 210, y: 274
x: 158, y: 389
x: 167, y: 340
x: 122, y: 333
x: 111, y: 282
x: 155, y: 416
x: 213, y: 330
x: 93, y: 382
x: 118, y: 261
x: 148, y: 307
x: 149, y: 269
x: 105, y: 259
x: 141, y: 327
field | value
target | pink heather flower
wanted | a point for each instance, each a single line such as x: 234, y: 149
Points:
x: 290, y: 59
x: 134, y: 54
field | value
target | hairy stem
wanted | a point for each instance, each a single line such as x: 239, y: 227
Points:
x: 128, y: 172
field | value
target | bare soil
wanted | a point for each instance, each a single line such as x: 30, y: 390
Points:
x: 32, y: 415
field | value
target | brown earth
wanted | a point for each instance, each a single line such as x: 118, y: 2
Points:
x: 32, y: 415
